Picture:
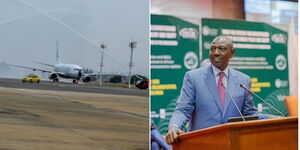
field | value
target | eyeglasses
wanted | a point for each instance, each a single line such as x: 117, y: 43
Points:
x: 220, y: 48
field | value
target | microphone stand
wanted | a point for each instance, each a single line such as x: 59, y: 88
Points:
x: 243, y: 86
x: 233, y: 102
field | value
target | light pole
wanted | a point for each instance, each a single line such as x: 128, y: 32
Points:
x: 131, y: 45
x: 103, y: 46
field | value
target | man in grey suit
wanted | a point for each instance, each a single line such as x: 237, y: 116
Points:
x: 204, y: 102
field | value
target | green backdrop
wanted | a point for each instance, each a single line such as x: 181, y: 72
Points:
x: 174, y: 51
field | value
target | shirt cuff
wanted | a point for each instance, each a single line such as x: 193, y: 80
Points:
x: 173, y: 125
x: 263, y: 116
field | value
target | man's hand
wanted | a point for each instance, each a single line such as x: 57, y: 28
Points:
x: 172, y: 135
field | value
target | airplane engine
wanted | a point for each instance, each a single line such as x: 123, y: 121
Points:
x: 53, y: 76
x: 87, y: 79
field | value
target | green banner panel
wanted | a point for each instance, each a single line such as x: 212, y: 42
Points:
x: 174, y: 51
x: 261, y: 53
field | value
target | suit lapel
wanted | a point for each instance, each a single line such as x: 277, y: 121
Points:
x: 210, y: 82
x: 231, y: 86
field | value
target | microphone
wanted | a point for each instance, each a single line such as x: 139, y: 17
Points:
x: 244, y: 87
x: 234, y: 102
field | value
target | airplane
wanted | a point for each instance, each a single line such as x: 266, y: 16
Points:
x: 60, y: 70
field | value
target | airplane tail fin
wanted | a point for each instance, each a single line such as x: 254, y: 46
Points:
x: 3, y: 60
x: 57, y: 56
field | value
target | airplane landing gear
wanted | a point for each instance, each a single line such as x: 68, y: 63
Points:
x: 75, y: 81
x: 55, y: 80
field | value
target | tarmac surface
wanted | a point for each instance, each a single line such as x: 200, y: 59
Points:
x: 62, y: 86
x: 33, y: 119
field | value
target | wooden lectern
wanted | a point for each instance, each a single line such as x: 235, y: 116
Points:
x: 271, y: 134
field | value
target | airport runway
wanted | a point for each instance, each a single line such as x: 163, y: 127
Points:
x: 61, y: 86
x: 55, y: 119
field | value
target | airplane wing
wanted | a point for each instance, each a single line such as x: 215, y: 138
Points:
x: 34, y: 69
x: 43, y: 64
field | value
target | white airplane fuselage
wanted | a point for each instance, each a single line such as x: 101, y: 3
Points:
x: 68, y: 71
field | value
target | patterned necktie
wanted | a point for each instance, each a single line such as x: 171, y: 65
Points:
x: 221, y: 89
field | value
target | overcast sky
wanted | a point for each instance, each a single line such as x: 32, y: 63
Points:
x: 29, y: 30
